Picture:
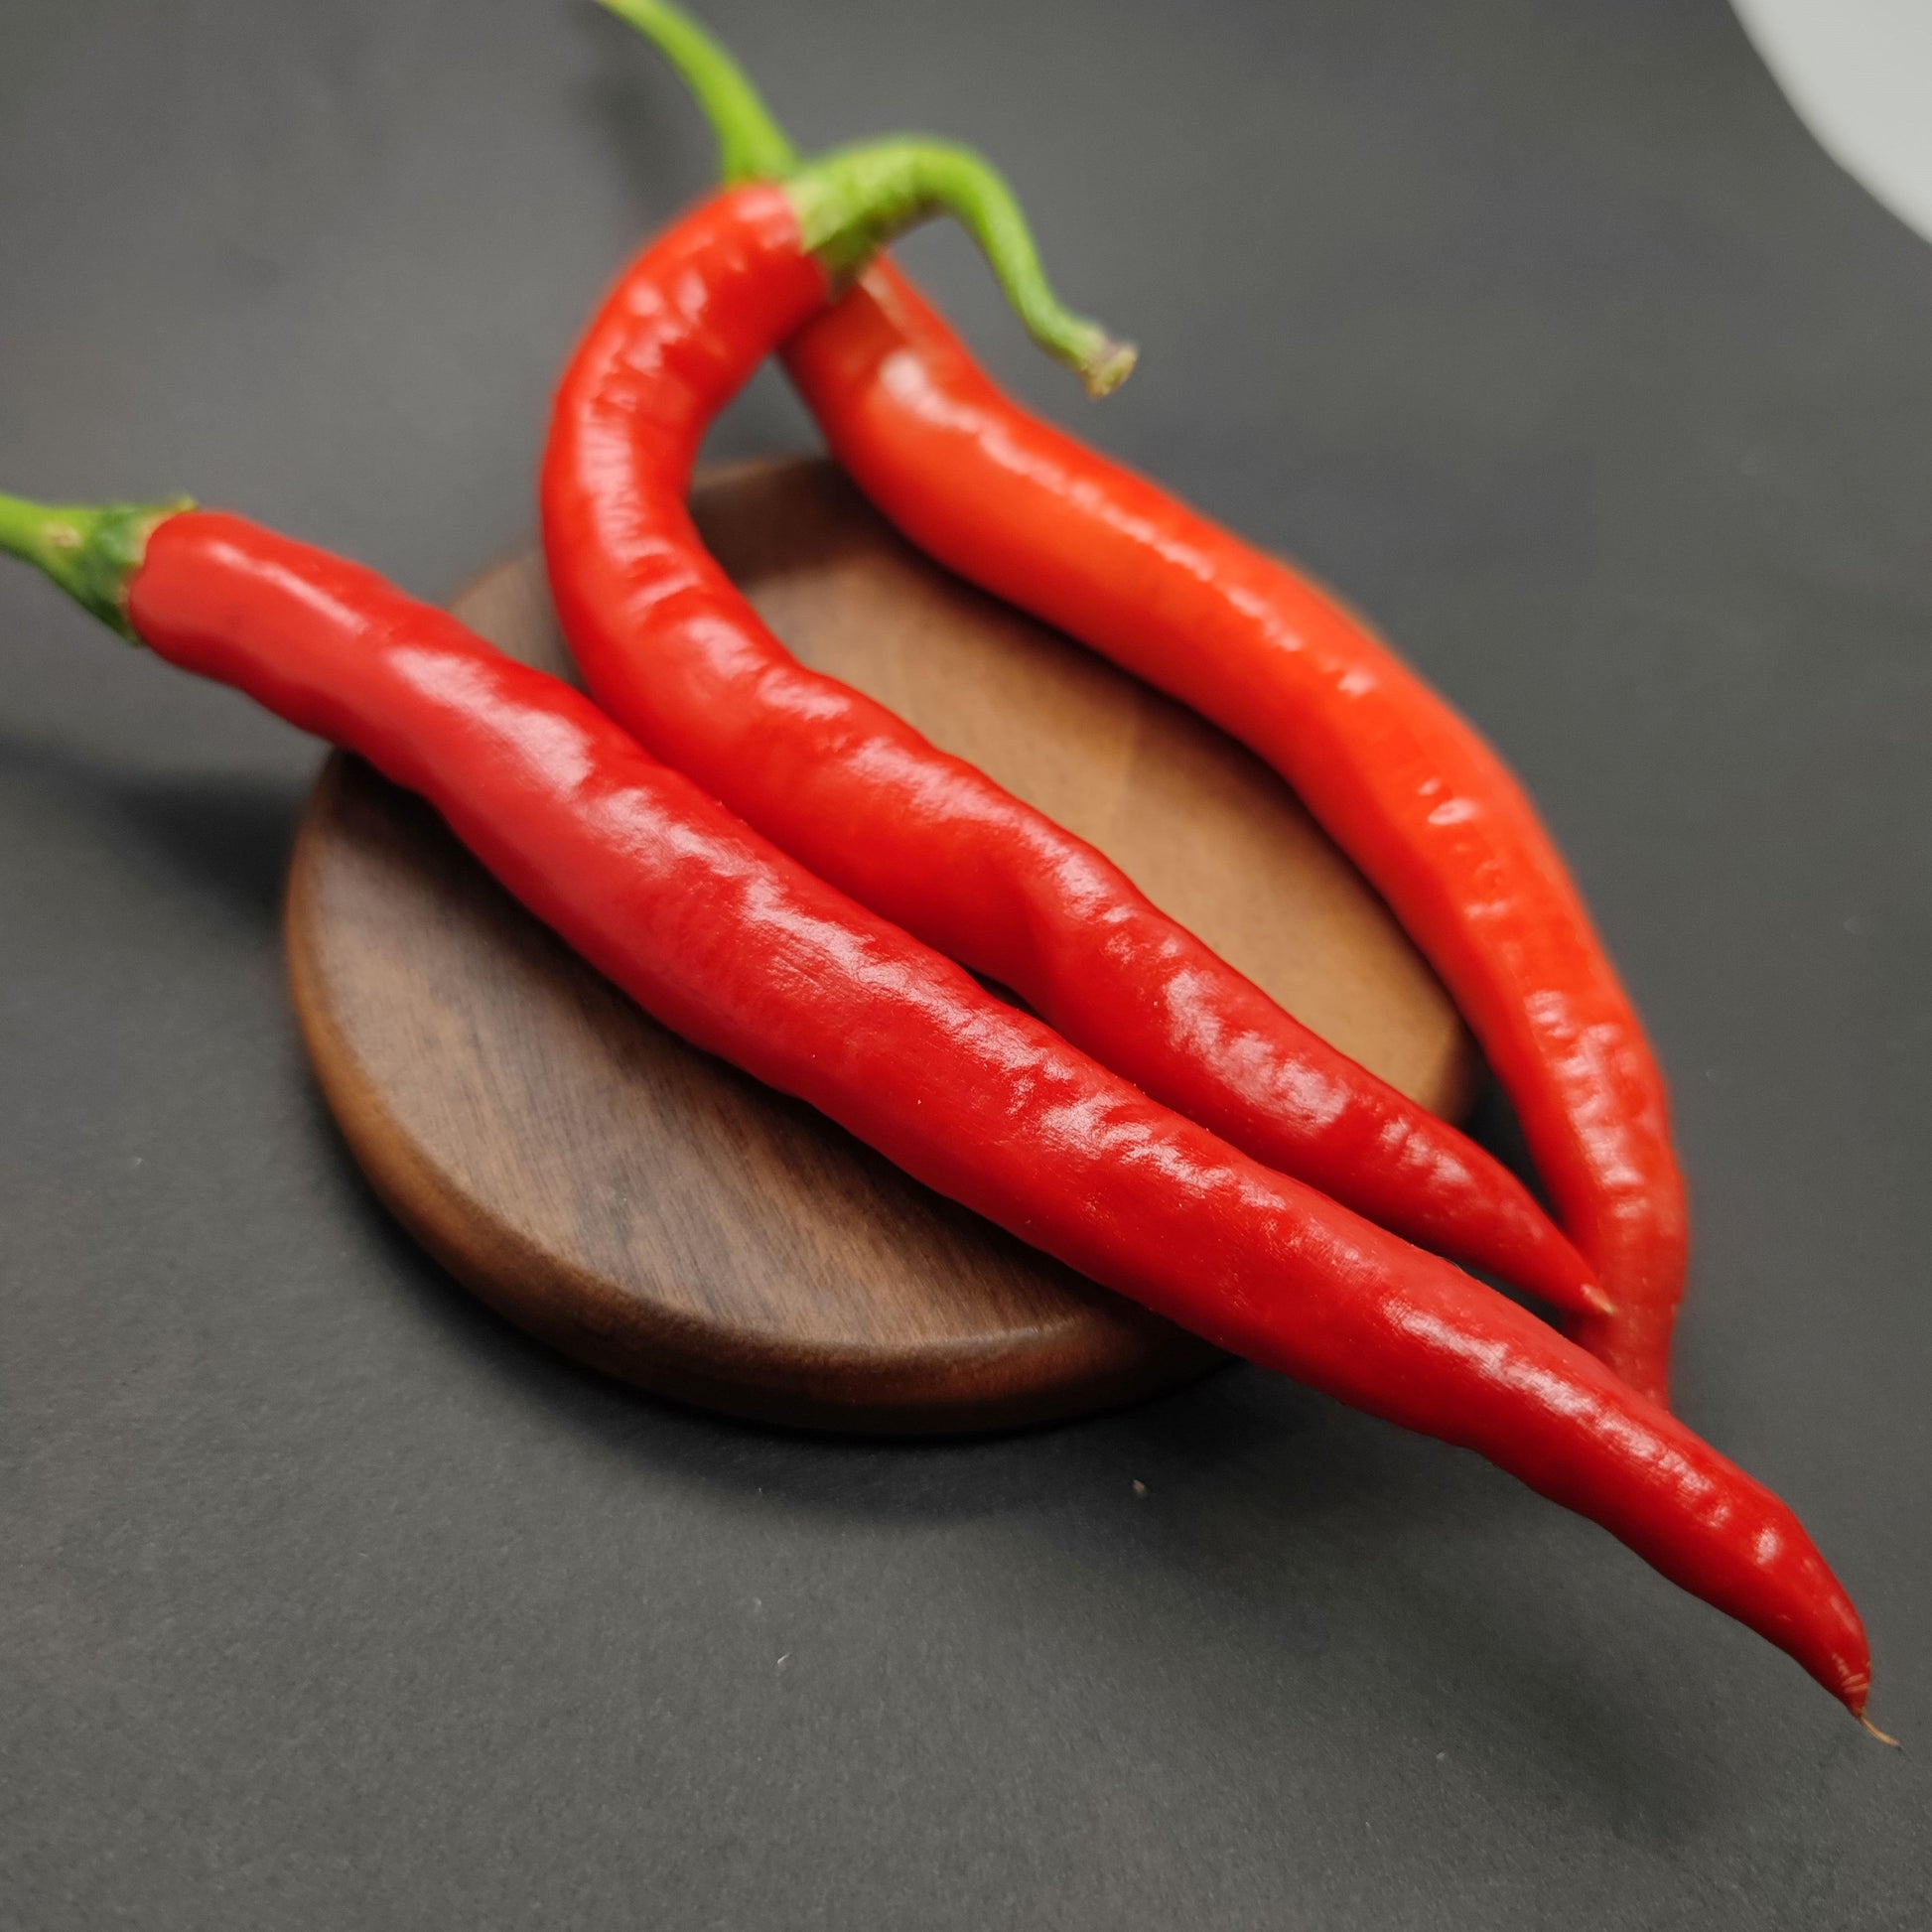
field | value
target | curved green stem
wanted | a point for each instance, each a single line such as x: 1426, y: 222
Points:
x: 90, y: 550
x: 752, y: 146
x: 852, y: 202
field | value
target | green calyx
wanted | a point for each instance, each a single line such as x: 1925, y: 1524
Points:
x: 91, y: 551
x: 852, y: 202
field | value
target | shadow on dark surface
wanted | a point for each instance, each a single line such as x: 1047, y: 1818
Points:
x: 224, y: 834
x: 228, y: 835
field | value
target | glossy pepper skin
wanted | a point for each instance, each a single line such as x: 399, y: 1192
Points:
x: 749, y: 955
x: 1399, y: 779
x: 1402, y: 782
x: 672, y: 650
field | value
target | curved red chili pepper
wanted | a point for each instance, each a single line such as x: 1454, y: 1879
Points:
x: 674, y: 652
x: 1405, y: 785
x: 747, y: 954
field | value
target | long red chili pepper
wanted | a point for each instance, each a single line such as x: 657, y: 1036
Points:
x: 747, y: 954
x: 1402, y: 782
x: 674, y: 652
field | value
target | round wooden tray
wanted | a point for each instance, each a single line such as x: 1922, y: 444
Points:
x: 651, y: 1211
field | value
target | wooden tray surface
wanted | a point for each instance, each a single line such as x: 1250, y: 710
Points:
x: 655, y: 1214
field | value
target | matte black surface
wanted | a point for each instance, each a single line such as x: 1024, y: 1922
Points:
x: 327, y: 1600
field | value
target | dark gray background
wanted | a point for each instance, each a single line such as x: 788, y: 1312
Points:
x: 328, y: 1601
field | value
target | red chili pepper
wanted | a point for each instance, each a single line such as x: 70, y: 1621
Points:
x: 747, y: 954
x: 1398, y: 778
x: 674, y: 652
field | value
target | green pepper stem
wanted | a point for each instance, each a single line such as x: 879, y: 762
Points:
x: 852, y: 202
x: 90, y: 550
x: 752, y: 146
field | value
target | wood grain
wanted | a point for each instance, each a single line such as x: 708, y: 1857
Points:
x: 653, y: 1212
